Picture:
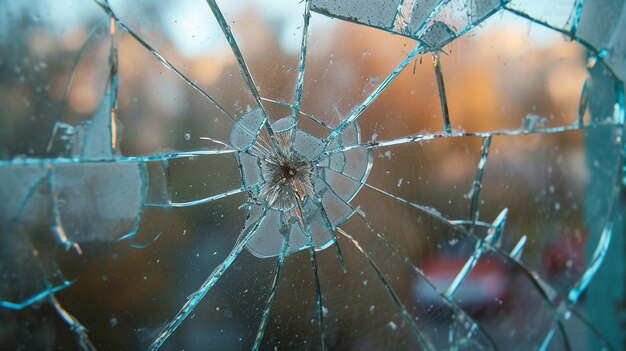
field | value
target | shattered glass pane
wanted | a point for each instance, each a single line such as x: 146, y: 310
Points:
x: 316, y: 174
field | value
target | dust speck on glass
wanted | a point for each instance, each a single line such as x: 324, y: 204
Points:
x: 314, y: 174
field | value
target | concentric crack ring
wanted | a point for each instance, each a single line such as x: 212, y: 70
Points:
x: 299, y: 184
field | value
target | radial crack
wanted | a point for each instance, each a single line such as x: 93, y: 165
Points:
x: 105, y: 6
x: 536, y: 281
x: 331, y: 228
x: 275, y: 284
x: 321, y: 325
x: 194, y: 299
x: 302, y: 63
x: 356, y: 113
x: 392, y: 294
x: 208, y: 199
x: 245, y: 71
x: 429, y: 137
x: 406, y: 261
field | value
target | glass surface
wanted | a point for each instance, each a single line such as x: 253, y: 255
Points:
x: 315, y: 174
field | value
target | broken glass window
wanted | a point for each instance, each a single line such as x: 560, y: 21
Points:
x: 317, y: 174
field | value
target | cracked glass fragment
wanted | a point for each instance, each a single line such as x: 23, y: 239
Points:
x: 437, y: 35
x: 246, y: 129
x: 113, y: 194
x: 421, y: 12
x: 601, y: 25
x: 99, y: 139
x: 376, y: 13
x: 481, y: 8
x: 316, y: 174
x: 560, y: 14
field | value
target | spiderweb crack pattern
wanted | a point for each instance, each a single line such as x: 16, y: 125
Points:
x: 307, y: 190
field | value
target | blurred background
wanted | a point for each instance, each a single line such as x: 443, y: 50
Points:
x: 505, y: 74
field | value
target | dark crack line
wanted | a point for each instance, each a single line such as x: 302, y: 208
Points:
x: 443, y: 99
